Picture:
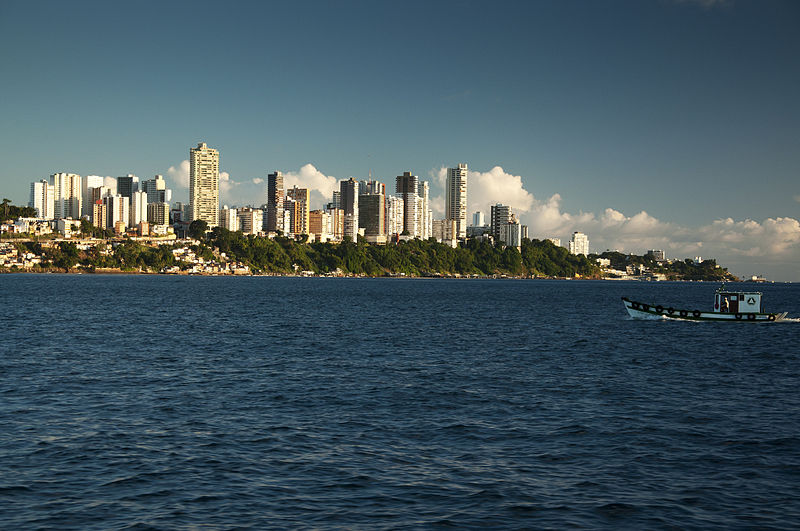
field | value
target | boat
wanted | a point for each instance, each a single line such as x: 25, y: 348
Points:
x: 729, y: 305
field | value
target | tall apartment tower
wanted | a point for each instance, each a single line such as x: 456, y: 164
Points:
x: 87, y: 183
x: 67, y: 194
x: 372, y: 209
x: 275, y: 202
x: 43, y: 199
x: 424, y: 213
x: 156, y: 190
x: 500, y: 216
x: 348, y: 193
x: 138, y: 208
x: 301, y: 209
x: 408, y: 189
x: 455, y: 207
x: 127, y: 185
x: 579, y: 244
x: 204, y: 184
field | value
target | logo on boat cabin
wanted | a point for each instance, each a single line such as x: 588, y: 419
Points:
x: 751, y: 301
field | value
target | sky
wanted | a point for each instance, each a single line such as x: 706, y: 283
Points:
x: 646, y: 124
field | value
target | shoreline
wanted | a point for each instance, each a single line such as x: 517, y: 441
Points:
x: 117, y: 271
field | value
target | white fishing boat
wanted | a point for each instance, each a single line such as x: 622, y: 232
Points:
x: 733, y: 306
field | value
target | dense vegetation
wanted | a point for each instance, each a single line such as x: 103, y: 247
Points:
x: 415, y: 257
x: 9, y: 212
x: 677, y: 270
x: 282, y: 255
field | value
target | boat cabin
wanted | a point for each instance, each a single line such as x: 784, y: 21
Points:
x: 737, y: 301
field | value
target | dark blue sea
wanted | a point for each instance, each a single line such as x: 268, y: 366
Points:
x: 159, y: 402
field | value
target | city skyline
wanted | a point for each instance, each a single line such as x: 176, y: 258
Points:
x: 655, y: 124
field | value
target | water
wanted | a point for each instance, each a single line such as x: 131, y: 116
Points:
x: 142, y: 402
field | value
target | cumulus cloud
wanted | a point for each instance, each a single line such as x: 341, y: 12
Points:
x: 320, y: 185
x: 179, y: 174
x: 257, y: 180
x: 485, y: 189
x: 770, y: 247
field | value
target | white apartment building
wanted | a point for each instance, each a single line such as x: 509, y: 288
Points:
x: 579, y: 244
x: 138, y: 209
x: 229, y: 219
x: 394, y: 215
x: 43, y: 199
x: 87, y: 183
x: 204, y: 184
x: 511, y: 234
x: 67, y: 195
x: 455, y: 207
x: 251, y: 220
x: 117, y: 209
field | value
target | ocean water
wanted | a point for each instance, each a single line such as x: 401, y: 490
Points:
x: 160, y: 402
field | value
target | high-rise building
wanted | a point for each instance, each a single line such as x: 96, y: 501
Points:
x: 424, y: 213
x: 478, y: 219
x: 321, y: 225
x: 138, y: 210
x: 336, y: 200
x: 301, y: 208
x: 127, y: 185
x: 500, y: 215
x: 100, y: 214
x: 455, y: 206
x: 87, y: 183
x: 336, y: 221
x: 511, y: 233
x: 43, y: 199
x: 275, y: 202
x: 555, y: 241
x: 250, y: 220
x: 117, y: 211
x: 372, y: 214
x: 579, y: 244
x: 204, y: 184
x: 349, y: 199
x: 66, y: 195
x: 229, y: 219
x: 156, y: 190
x: 371, y: 187
x: 408, y: 189
x: 158, y: 213
x: 394, y: 216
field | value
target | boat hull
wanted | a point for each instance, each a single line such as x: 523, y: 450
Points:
x: 640, y: 310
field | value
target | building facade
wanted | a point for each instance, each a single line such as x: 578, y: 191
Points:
x: 67, y: 192
x: 275, y: 202
x: 455, y: 207
x: 43, y: 199
x: 204, y: 184
x: 579, y: 244
x: 301, y: 198
x: 500, y: 215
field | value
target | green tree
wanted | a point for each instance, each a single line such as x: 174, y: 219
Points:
x: 197, y: 229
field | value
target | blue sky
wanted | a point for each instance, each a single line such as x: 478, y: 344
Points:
x: 582, y: 115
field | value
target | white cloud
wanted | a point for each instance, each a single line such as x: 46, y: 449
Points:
x: 321, y: 185
x: 797, y: 198
x: 179, y: 175
x: 485, y: 189
x: 770, y: 247
x: 257, y: 180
